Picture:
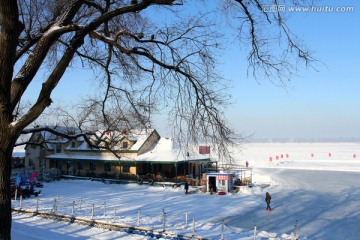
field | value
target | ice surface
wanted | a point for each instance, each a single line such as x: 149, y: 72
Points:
x: 320, y: 192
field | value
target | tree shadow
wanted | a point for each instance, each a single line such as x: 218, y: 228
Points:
x: 320, y: 215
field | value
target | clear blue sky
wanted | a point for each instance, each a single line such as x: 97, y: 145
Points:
x: 316, y: 104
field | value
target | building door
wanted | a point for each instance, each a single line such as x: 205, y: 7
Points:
x: 212, y: 183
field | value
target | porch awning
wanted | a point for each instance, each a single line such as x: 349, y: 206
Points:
x: 84, y: 157
x: 113, y: 158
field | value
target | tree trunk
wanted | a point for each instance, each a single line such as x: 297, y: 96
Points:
x: 6, y: 148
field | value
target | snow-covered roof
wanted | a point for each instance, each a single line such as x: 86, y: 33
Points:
x: 139, y: 136
x: 163, y: 151
x: 83, y: 146
x: 19, y: 151
x: 53, y: 138
x: 98, y: 157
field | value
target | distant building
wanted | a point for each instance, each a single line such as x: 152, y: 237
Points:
x: 18, y: 157
x: 134, y: 154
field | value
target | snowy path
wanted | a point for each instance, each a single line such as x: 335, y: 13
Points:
x: 36, y: 228
x: 326, y: 201
x: 322, y: 201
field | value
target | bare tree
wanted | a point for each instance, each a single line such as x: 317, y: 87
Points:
x: 143, y: 65
x: 274, y: 51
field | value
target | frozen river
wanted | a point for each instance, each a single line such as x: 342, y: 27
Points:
x: 326, y: 204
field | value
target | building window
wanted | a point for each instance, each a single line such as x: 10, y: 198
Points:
x: 125, y: 144
x: 73, y: 144
x: 58, y: 148
x: 92, y: 166
x: 42, y: 163
x: 107, y: 167
x: 80, y: 165
x: 126, y: 168
x: 31, y: 163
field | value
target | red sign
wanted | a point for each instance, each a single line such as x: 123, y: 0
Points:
x: 222, y: 177
x: 204, y: 149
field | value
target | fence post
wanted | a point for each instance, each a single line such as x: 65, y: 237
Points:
x: 57, y: 202
x: 20, y: 201
x: 164, y: 220
x: 296, y: 230
x: 37, y: 203
x: 138, y: 221
x: 92, y: 212
x: 222, y: 230
x: 16, y: 192
x: 80, y: 204
x: 54, y: 207
x: 73, y: 208
x: 114, y: 214
x: 254, y: 232
x: 186, y: 218
x: 193, y: 228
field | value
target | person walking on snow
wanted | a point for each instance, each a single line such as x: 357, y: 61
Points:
x: 267, y: 200
x: 186, y: 187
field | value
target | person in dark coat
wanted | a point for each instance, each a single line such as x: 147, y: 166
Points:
x: 186, y: 187
x: 267, y: 200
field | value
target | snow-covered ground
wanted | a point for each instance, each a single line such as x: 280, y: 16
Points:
x: 313, y: 184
